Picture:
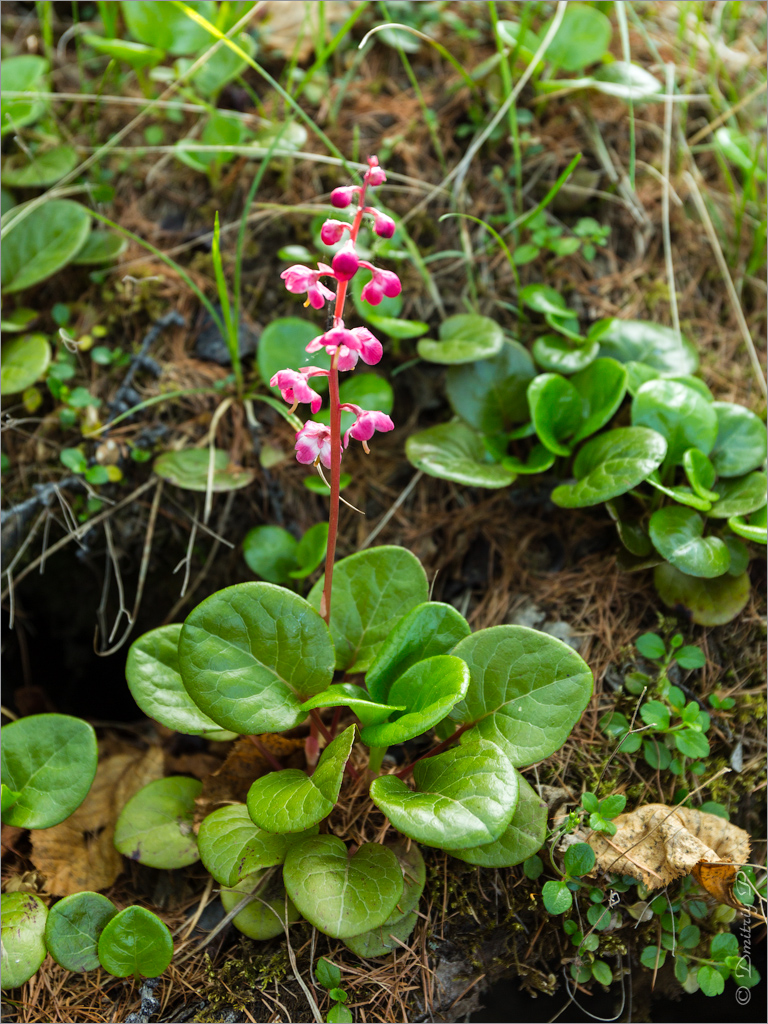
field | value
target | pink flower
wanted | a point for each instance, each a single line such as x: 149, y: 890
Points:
x: 301, y: 279
x: 313, y: 444
x: 294, y: 387
x: 383, y: 225
x: 348, y: 344
x: 347, y: 357
x: 331, y: 339
x: 383, y: 282
x: 374, y: 175
x: 332, y: 231
x: 369, y: 347
x: 342, y: 197
x: 366, y: 424
x: 345, y: 262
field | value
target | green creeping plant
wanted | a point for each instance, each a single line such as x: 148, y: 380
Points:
x: 256, y: 658
x: 684, y: 480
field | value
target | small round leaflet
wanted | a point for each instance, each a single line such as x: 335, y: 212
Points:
x: 155, y: 826
x: 73, y: 928
x: 135, y: 942
x: 23, y: 945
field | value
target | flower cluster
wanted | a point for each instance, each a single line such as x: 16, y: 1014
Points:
x: 315, y: 442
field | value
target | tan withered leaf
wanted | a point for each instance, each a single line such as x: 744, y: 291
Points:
x: 79, y: 853
x: 657, y: 843
x: 244, y: 764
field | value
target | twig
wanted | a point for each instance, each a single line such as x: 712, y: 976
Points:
x: 399, y: 501
x: 665, y: 204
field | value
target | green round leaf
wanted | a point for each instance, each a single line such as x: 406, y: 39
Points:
x: 579, y: 859
x: 231, y: 846
x: 539, y: 461
x: 557, y: 355
x: 556, y: 411
x: 282, y: 345
x: 709, y: 602
x: 557, y: 897
x: 152, y: 673
x: 135, y: 942
x: 43, y: 243
x: 189, y: 470
x: 543, y: 299
x: 601, y: 387
x: 327, y: 973
x: 627, y: 82
x: 100, y: 247
x: 155, y: 826
x: 463, y: 339
x: 611, y: 464
x: 73, y: 928
x: 311, y: 551
x: 264, y: 917
x: 381, y: 941
x: 397, y: 328
x: 371, y: 591
x: 692, y: 743
x: 136, y: 54
x: 682, y: 416
x: 17, y: 320
x: 428, y: 689
x: 343, y: 895
x: 700, y: 473
x: 643, y: 342
x: 166, y: 26
x: 753, y: 529
x: 401, y: 922
x: 429, y: 629
x: 651, y: 646
x: 739, y: 496
x: 682, y: 495
x: 43, y: 169
x: 583, y: 37
x: 291, y: 800
x: 316, y: 485
x: 21, y: 74
x: 490, y: 395
x: 521, y: 839
x: 677, y: 534
x: 711, y: 982
x: 250, y: 654
x: 23, y: 945
x: 602, y: 973
x: 452, y: 451
x: 270, y: 552
x: 24, y: 361
x: 50, y: 761
x: 739, y: 555
x: 637, y: 375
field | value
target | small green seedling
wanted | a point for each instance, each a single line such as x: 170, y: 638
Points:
x: 328, y: 975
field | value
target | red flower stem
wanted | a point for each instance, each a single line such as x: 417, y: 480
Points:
x: 435, y: 750
x: 335, y: 720
x: 314, y: 715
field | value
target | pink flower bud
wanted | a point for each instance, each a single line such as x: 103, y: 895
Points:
x: 383, y: 225
x: 374, y: 175
x: 345, y: 262
x: 342, y: 197
x: 333, y: 230
x: 383, y: 282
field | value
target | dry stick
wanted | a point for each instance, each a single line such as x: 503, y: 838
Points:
x: 665, y: 203
x: 208, y: 562
x: 380, y: 525
x: 728, y: 113
x: 738, y: 312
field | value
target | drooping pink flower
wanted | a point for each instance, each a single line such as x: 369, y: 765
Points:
x: 342, y: 197
x: 294, y: 387
x: 374, y: 175
x: 367, y: 422
x: 345, y: 261
x: 313, y: 444
x: 331, y: 339
x: 332, y: 231
x: 300, y: 279
x: 383, y: 225
x: 368, y: 346
x: 383, y: 282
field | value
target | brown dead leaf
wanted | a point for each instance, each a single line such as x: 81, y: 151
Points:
x: 244, y: 764
x: 295, y: 28
x: 79, y: 853
x: 718, y: 879
x: 657, y: 843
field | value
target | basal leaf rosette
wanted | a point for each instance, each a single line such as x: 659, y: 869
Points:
x: 250, y: 655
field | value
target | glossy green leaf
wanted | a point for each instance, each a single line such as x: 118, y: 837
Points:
x: 43, y: 243
x: 639, y: 374
x: 567, y: 326
x: 270, y: 552
x: 327, y: 973
x: 753, y: 529
x: 39, y: 169
x: 155, y: 826
x: 135, y: 942
x: 23, y: 945
x: 556, y: 897
x: 250, y: 654
x: 264, y: 917
x: 316, y: 485
x: 709, y: 602
x: 371, y: 591
x: 695, y: 383
x: 282, y: 345
x: 629, y: 526
x: 232, y: 847
x: 189, y: 470
x: 17, y: 320
x: 9, y: 798
x: 291, y: 800
x: 611, y: 464
x: 523, y: 837
x: 396, y: 327
x: 24, y: 73
x: 137, y: 55
x: 601, y: 387
x: 543, y: 299
x: 683, y: 495
x: 50, y: 760
x: 222, y: 66
x: 741, y: 440
x: 453, y: 451
x: 100, y: 247
x: 644, y: 342
x: 527, y: 690
x: 428, y: 689
x: 739, y: 554
x: 464, y: 797
x: 682, y: 416
x: 401, y: 922
x: 166, y: 26
x: 557, y: 355
x: 429, y: 629
x: 311, y: 551
x: 382, y: 940
x: 539, y: 460
x: 347, y: 695
x: 343, y: 895
x: 464, y: 338
x: 739, y: 496
x: 556, y: 411
x: 583, y: 37
x: 73, y: 928
x: 490, y: 395
x: 24, y: 361
x: 700, y: 473
x: 152, y: 672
